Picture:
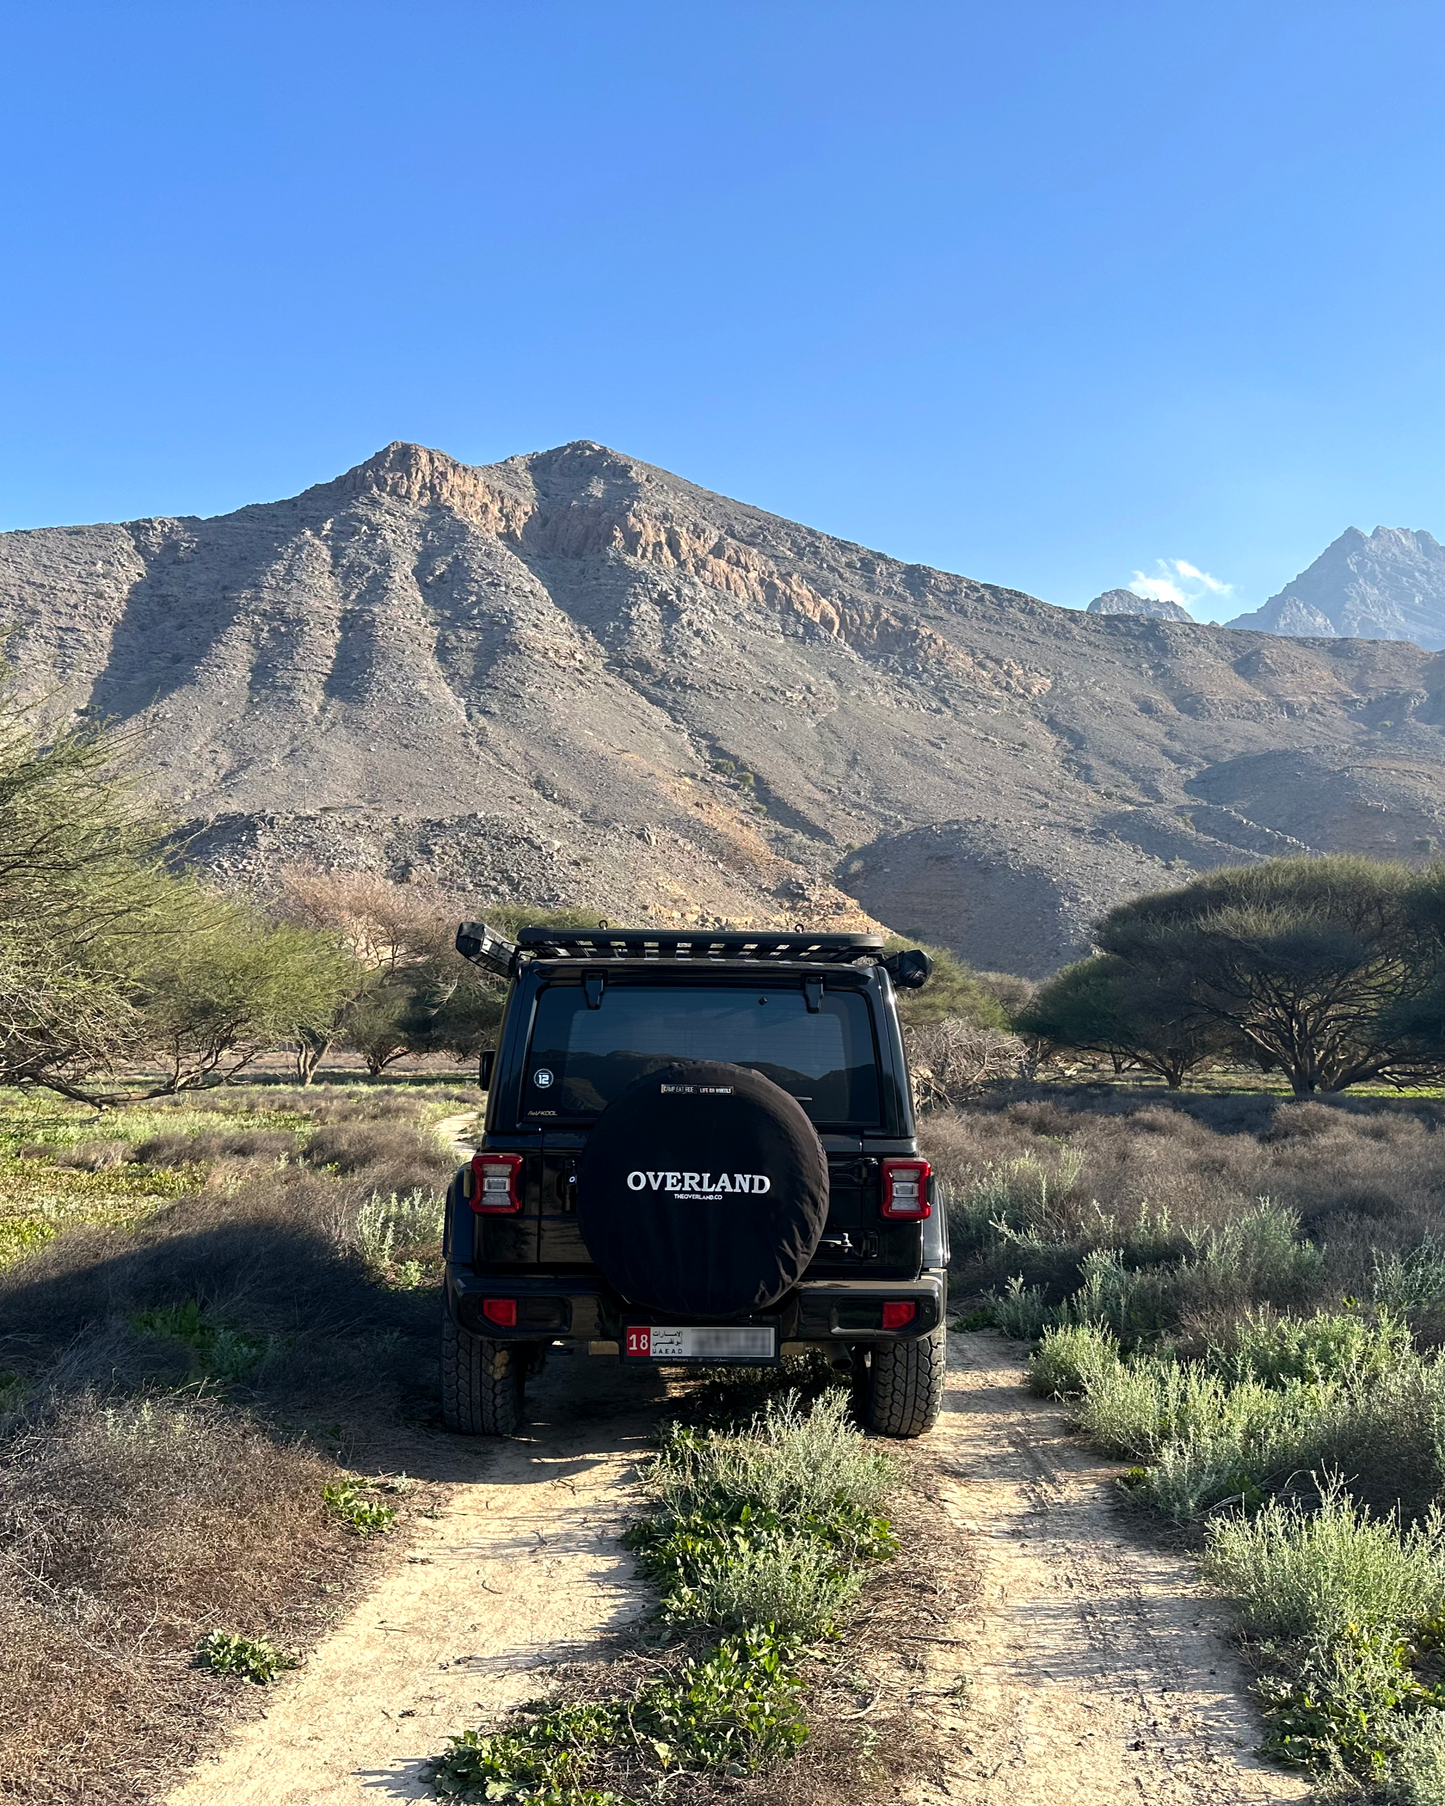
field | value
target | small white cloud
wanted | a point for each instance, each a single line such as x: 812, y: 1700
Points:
x: 1177, y: 580
x: 1159, y: 588
x: 1212, y: 584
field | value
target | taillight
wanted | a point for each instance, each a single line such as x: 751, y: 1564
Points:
x: 905, y: 1190
x: 496, y: 1183
x: 503, y: 1312
x: 899, y: 1313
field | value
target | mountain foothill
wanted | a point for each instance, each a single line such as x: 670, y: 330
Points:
x: 574, y: 680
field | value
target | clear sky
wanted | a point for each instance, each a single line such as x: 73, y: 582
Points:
x: 1050, y: 292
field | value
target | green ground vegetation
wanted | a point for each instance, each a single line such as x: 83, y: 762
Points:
x: 228, y: 1292
x: 758, y: 1535
x: 1243, y: 1300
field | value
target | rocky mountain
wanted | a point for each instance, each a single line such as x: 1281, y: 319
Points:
x: 1385, y: 585
x: 573, y: 678
x: 1125, y: 602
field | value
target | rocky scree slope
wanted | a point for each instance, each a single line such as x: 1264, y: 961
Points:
x: 574, y: 678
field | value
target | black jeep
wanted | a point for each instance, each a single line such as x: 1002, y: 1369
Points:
x: 698, y: 1148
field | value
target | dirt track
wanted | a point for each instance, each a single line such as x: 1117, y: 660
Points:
x: 1094, y: 1670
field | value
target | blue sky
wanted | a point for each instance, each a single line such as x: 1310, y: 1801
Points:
x: 1048, y: 293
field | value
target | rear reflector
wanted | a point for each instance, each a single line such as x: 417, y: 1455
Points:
x: 503, y: 1312
x: 905, y: 1190
x: 496, y: 1184
x: 901, y: 1312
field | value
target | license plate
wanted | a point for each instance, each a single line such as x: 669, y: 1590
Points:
x: 667, y: 1342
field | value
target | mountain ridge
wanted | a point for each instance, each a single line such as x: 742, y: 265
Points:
x: 573, y: 678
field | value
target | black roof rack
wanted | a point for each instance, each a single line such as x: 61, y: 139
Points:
x: 753, y: 946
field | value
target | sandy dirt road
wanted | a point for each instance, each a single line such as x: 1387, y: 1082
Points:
x: 1094, y: 1668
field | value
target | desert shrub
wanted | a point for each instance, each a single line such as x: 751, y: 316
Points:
x: 397, y: 1235
x: 800, y: 1464
x: 1070, y: 1360
x: 1295, y: 1573
x: 948, y: 1060
x: 1023, y: 1200
x: 1021, y: 1311
x: 1329, y: 1345
x: 766, y: 1526
x: 1415, y: 1775
x: 1412, y: 1281
x: 757, y: 1572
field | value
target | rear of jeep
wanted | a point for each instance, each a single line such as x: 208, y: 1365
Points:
x: 696, y: 1150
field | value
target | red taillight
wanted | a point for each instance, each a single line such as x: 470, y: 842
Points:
x: 503, y: 1312
x: 496, y: 1183
x: 905, y: 1190
x: 899, y: 1314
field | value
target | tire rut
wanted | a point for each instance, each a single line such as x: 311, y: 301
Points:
x: 1095, y: 1666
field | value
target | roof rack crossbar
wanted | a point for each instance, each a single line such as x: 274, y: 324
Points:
x: 697, y: 945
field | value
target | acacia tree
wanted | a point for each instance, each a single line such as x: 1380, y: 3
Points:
x: 1134, y: 1015
x: 234, y: 987
x: 414, y: 993
x: 1305, y: 962
x: 108, y: 959
x: 84, y: 893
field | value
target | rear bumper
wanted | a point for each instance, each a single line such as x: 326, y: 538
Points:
x: 554, y: 1307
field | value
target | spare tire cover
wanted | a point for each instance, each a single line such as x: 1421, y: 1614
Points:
x: 703, y: 1190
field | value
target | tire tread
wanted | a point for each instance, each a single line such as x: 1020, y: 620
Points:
x: 482, y: 1382
x: 903, y: 1391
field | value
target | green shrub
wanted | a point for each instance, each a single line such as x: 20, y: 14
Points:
x: 1021, y: 1311
x: 218, y: 1351
x: 1296, y: 1573
x: 1071, y: 1360
x: 735, y: 1710
x: 366, y: 1517
x: 1347, y: 1700
x: 249, y: 1658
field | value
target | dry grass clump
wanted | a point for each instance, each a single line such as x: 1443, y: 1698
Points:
x: 149, y: 1493
x: 1161, y: 1181
x: 130, y: 1528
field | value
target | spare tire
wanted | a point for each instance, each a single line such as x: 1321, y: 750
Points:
x: 703, y: 1191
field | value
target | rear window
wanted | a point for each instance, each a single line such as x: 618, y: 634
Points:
x: 580, y: 1059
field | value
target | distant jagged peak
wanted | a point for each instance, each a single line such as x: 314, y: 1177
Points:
x: 1126, y: 602
x: 1385, y: 585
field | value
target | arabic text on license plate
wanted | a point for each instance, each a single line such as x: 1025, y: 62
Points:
x: 668, y: 1342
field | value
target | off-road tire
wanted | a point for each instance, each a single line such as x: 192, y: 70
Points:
x: 902, y: 1391
x: 483, y: 1382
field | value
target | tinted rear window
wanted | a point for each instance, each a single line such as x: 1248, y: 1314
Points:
x: 580, y: 1059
